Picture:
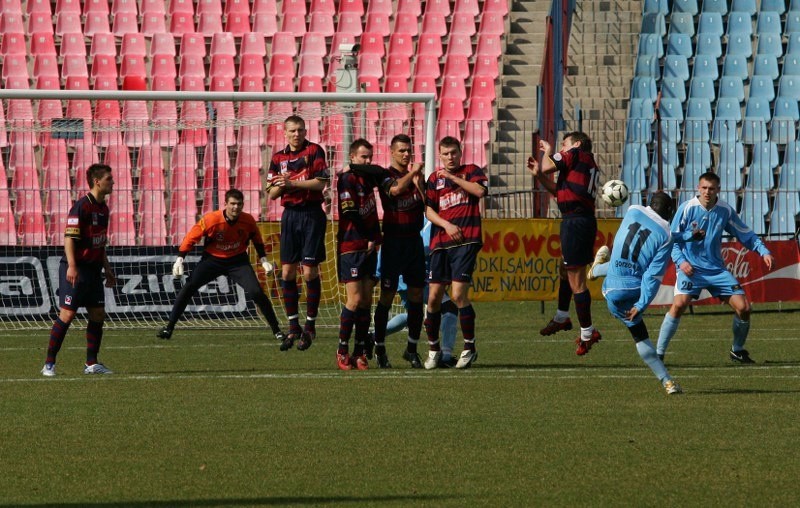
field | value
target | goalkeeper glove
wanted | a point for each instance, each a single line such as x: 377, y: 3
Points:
x: 266, y: 264
x: 177, y: 268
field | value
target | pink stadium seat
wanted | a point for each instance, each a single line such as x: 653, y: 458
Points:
x: 181, y: 7
x: 103, y: 44
x: 380, y: 7
x: 425, y: 84
x: 45, y: 66
x: 124, y: 23
x: 237, y: 7
x: 193, y: 44
x: 163, y: 66
x: 378, y: 23
x: 72, y: 6
x: 154, y: 7
x: 294, y: 23
x: 181, y: 23
x: 38, y: 7
x: 486, y: 66
x: 209, y: 7
x: 85, y: 155
x: 152, y: 212
x: 238, y: 24
x: 191, y: 66
x: 165, y: 119
x: 441, y: 7
x: 251, y: 84
x: 253, y: 44
x: 480, y: 108
x: 372, y: 44
x: 407, y: 23
x: 15, y: 66
x: 252, y: 66
x: 313, y: 44
x: 434, y: 23
x: 55, y: 165
x: 349, y: 23
x: 248, y: 178
x: 150, y: 166
x: 338, y: 40
x: 22, y: 161
x: 104, y: 66
x: 413, y: 7
x: 118, y: 157
x: 475, y: 140
x: 120, y: 226
x: 124, y: 7
x: 459, y: 45
x: 222, y: 66
x: 163, y: 44
x: 463, y: 24
x: 223, y: 43
x: 489, y: 45
x: 472, y: 7
x: 298, y: 7
x: 369, y: 84
x: 311, y: 65
x: 49, y: 109
x: 153, y: 23
x: 96, y: 23
x: 398, y: 66
x: 496, y: 6
x: 430, y: 45
x: 453, y: 88
x: 12, y: 23
x: 281, y: 65
x: 370, y: 66
x: 265, y: 23
x: 40, y: 23
x: 284, y: 43
x: 396, y: 84
x: 222, y: 169
x: 323, y: 7
x: 483, y: 87
x: 352, y: 6
x: 321, y: 24
x: 264, y: 7
x: 451, y: 114
x: 492, y: 23
x: 57, y: 222
x: 67, y: 22
x: 133, y: 45
x: 401, y: 44
x: 456, y: 66
x: 3, y: 134
x: 31, y: 231
x: 182, y: 215
x: 72, y: 44
x: 427, y: 66
x: 274, y: 210
x: 14, y: 44
x: 193, y: 114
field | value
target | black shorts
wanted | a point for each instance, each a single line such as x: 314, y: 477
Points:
x: 88, y: 291
x: 356, y: 266
x: 577, y: 240
x: 402, y: 256
x: 455, y: 264
x: 303, y: 235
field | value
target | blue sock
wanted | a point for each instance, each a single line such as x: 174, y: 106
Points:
x: 740, y: 331
x: 600, y: 270
x: 668, y: 329
x: 396, y: 324
x: 648, y: 354
x: 449, y: 328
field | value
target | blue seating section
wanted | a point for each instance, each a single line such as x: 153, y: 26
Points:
x: 722, y: 81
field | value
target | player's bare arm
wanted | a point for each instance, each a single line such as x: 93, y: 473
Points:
x: 111, y: 279
x: 451, y: 229
x: 547, y: 153
x: 538, y: 174
x: 401, y: 184
x: 473, y: 188
x: 72, y: 264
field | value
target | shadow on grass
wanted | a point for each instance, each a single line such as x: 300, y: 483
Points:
x: 256, y: 501
x: 743, y: 391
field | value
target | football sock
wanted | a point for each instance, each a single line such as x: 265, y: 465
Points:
x: 346, y: 321
x: 648, y: 354
x: 564, y: 298
x: 448, y: 331
x: 583, y: 307
x: 381, y: 320
x: 57, y: 334
x: 313, y: 295
x: 265, y: 306
x: 668, y: 328
x: 290, y: 298
x: 311, y: 325
x: 94, y: 336
x: 363, y: 320
x: 466, y: 316
x: 432, y: 324
x: 415, y: 316
x: 740, y: 331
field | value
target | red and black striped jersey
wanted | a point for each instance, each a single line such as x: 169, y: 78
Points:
x: 576, y: 185
x: 308, y: 163
x: 358, y: 213
x: 87, y: 224
x: 224, y: 239
x: 456, y: 206
x: 402, y: 214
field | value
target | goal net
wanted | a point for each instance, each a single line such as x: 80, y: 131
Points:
x: 173, y: 157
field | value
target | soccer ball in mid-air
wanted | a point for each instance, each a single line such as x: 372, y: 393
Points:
x: 614, y: 192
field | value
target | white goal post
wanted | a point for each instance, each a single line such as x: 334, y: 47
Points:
x: 173, y: 154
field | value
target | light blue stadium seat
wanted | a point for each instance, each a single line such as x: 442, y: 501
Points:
x: 709, y: 45
x: 748, y: 6
x: 679, y: 44
x: 728, y: 108
x: 654, y: 23
x: 634, y: 165
x: 639, y: 130
x: 783, y: 129
x: 702, y: 88
x: 661, y: 6
x: 755, y: 205
x: 715, y: 6
x: 681, y: 22
x: 641, y: 108
x: 644, y: 87
x: 734, y: 65
x: 696, y: 129
x: 762, y: 86
x: 769, y: 44
x: 647, y: 65
x: 740, y: 45
x: 689, y: 178
x: 710, y: 23
x: 705, y: 66
x: 792, y: 23
x: 698, y: 107
x: 731, y: 163
x: 766, y: 65
x: 651, y: 44
x: 794, y: 5
x: 756, y: 116
x: 769, y: 22
x: 789, y: 87
x: 724, y: 130
x: 689, y: 6
x: 740, y: 23
x: 784, y: 214
x: 791, y: 65
x: 762, y: 169
x: 789, y: 178
x: 670, y: 112
x: 668, y: 177
x: 669, y: 154
x: 674, y: 88
x: 676, y: 66
x: 731, y: 87
x: 778, y: 6
x: 793, y: 44
x: 698, y: 154
x: 635, y: 198
x: 729, y: 197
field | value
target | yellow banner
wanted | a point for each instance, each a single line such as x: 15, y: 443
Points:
x: 520, y: 259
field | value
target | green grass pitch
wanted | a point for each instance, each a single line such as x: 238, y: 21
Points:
x: 223, y: 418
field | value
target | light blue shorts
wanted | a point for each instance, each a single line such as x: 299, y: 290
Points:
x: 620, y: 301
x: 721, y: 284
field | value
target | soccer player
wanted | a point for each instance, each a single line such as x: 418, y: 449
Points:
x: 452, y: 198
x: 700, y: 265
x: 358, y: 240
x: 226, y: 234
x: 642, y: 247
x: 80, y: 272
x: 298, y: 175
x: 575, y: 191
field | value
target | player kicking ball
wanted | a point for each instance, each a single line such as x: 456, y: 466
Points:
x: 641, y: 252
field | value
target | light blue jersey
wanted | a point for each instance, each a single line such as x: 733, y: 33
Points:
x: 706, y: 256
x: 639, y: 258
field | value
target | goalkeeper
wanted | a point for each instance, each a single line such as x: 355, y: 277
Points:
x: 227, y: 234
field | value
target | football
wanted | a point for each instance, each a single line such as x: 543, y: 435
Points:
x: 614, y: 192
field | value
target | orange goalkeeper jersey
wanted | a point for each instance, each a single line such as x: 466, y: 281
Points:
x: 223, y: 239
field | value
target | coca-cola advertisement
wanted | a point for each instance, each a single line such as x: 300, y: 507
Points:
x: 780, y: 284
